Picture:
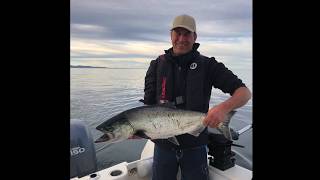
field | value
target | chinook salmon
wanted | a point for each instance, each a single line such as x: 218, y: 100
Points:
x: 157, y: 122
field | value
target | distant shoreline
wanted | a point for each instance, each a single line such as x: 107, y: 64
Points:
x: 72, y: 66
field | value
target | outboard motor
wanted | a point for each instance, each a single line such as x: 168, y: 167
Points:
x: 220, y: 149
x: 82, y: 152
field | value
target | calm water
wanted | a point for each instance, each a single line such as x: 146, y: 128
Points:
x: 98, y: 94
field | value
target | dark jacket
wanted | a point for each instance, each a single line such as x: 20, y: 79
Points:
x: 187, y: 81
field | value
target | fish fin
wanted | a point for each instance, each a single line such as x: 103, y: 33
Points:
x: 224, y: 127
x: 197, y: 132
x: 141, y: 133
x: 103, y: 138
x: 174, y: 140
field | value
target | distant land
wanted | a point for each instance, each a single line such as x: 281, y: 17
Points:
x: 80, y: 66
x: 72, y: 66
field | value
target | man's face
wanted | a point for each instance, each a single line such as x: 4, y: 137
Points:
x: 182, y: 40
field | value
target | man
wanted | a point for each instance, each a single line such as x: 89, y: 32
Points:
x: 183, y: 77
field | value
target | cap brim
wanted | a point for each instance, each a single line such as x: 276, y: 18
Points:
x: 182, y: 26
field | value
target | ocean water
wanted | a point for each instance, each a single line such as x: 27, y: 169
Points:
x: 98, y: 94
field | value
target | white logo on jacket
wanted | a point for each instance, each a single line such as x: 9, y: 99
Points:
x: 193, y: 65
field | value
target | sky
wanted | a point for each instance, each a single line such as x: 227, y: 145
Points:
x: 137, y: 31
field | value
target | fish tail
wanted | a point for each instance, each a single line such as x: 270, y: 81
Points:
x: 224, y: 127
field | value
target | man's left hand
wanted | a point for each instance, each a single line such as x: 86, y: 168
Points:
x: 215, y: 116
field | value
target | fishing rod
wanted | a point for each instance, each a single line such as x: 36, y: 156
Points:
x: 246, y: 128
x: 235, y: 134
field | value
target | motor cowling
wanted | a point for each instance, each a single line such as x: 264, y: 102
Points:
x: 220, y: 149
x: 82, y: 151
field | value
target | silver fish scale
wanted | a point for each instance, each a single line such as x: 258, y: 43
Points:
x: 157, y: 122
x: 163, y: 122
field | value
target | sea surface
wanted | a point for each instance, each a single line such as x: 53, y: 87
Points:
x: 98, y: 94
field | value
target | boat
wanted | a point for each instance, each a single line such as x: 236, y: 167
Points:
x: 83, y: 161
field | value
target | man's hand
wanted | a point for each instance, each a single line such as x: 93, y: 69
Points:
x: 215, y: 116
x: 218, y: 114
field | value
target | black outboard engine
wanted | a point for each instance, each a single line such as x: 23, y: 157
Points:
x: 82, y: 152
x: 220, y: 149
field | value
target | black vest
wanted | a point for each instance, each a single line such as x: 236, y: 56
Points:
x: 196, y: 95
x: 197, y: 89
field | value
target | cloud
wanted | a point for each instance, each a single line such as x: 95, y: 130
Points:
x: 115, y: 49
x: 240, y: 47
x: 151, y: 20
x: 140, y: 28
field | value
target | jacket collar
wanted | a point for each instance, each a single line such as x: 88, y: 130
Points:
x: 185, y: 58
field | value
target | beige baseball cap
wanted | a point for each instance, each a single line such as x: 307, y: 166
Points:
x: 184, y: 21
